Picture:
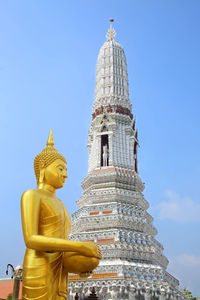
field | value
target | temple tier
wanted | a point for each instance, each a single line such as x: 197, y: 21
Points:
x: 112, y: 210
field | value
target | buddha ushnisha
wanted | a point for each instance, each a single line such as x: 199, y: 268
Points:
x: 50, y: 256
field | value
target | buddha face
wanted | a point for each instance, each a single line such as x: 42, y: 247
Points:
x: 55, y: 174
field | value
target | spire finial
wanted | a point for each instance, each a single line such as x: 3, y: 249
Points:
x: 111, y: 32
x: 50, y: 141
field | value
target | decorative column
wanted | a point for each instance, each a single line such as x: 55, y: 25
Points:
x: 98, y: 137
x: 113, y: 292
x: 147, y: 295
x: 132, y: 293
x: 162, y: 294
x: 110, y: 153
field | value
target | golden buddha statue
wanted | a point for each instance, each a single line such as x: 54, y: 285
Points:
x: 50, y: 255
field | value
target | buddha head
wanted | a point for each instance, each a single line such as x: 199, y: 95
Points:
x: 50, y: 166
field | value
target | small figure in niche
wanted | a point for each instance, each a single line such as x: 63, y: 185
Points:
x: 105, y: 155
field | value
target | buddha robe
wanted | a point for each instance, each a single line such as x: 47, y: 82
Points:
x: 44, y: 277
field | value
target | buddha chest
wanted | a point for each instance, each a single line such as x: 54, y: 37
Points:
x: 52, y: 217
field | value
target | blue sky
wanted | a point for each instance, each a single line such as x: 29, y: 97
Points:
x: 48, y: 58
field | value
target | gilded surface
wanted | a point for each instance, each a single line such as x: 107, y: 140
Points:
x: 46, y: 226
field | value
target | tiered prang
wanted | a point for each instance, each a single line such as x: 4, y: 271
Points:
x: 112, y: 210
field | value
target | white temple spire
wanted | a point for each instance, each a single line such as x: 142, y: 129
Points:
x: 111, y: 75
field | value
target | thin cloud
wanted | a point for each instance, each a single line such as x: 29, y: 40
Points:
x: 187, y: 269
x: 179, y: 209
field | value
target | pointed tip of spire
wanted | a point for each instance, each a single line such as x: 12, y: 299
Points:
x: 111, y: 32
x: 50, y: 141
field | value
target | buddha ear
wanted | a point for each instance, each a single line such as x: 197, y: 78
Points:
x: 41, y: 178
x: 41, y: 168
x: 41, y: 165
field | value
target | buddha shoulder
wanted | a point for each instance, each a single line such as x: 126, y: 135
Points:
x: 31, y: 195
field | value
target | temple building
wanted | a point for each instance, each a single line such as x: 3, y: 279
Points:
x: 112, y: 209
